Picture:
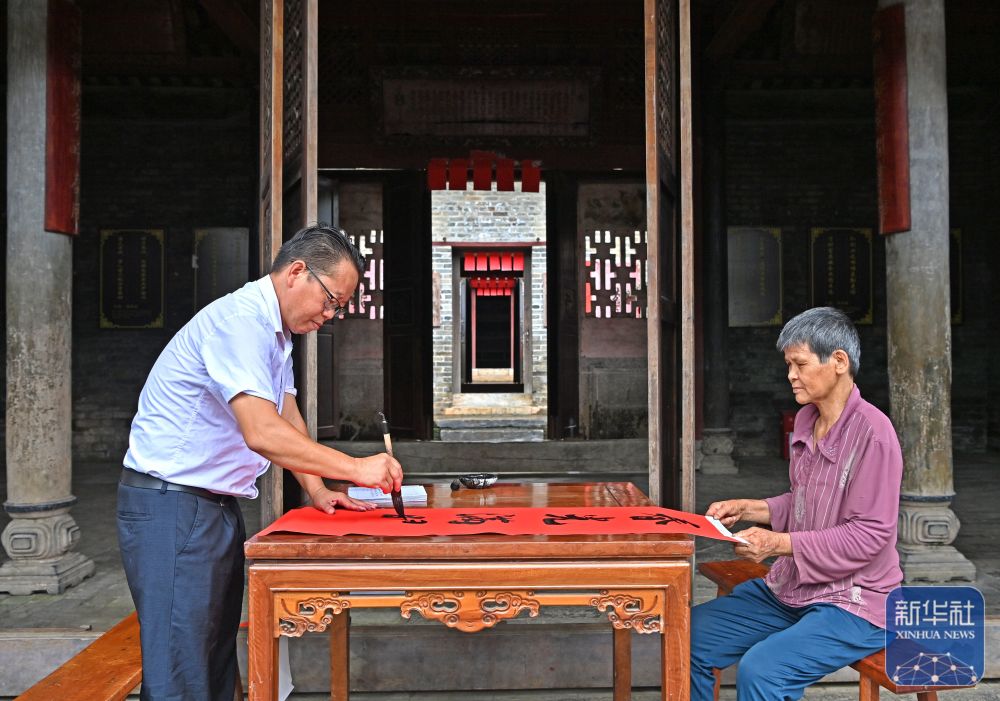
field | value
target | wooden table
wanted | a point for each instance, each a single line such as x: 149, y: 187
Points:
x: 303, y: 583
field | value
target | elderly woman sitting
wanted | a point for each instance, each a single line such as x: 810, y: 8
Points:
x: 822, y: 605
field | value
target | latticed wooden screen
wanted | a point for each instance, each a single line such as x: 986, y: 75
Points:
x: 615, y: 284
x: 665, y: 81
x: 295, y: 32
x: 367, y: 302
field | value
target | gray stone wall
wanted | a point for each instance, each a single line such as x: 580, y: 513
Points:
x: 191, y: 166
x: 358, y: 351
x: 470, y: 216
x: 817, y: 169
x: 613, y: 367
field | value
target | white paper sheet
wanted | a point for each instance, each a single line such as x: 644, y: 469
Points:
x: 285, y: 685
x: 414, y: 494
x: 723, y: 530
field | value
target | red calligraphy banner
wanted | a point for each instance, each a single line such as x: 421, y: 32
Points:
x: 584, y: 520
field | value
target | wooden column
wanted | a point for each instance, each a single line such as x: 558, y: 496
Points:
x: 270, y: 188
x: 717, y: 436
x: 687, y: 264
x: 670, y: 252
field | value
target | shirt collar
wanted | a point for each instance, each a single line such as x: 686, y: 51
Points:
x: 273, y: 309
x: 829, y: 445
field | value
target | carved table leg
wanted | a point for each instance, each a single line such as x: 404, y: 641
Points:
x: 262, y: 669
x: 340, y: 657
x: 675, y: 652
x: 622, y: 664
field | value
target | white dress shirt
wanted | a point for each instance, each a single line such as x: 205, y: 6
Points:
x: 184, y: 430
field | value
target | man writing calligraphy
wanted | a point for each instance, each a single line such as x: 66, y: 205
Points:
x: 219, y: 407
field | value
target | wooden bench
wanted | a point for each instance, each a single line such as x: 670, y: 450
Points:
x: 106, y: 670
x: 728, y: 573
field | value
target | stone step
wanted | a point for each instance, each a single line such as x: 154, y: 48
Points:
x: 625, y: 459
x: 491, y: 399
x: 480, y: 421
x: 390, y: 655
x: 514, y: 409
x: 492, y: 435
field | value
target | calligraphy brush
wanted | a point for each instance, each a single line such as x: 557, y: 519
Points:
x: 397, y: 495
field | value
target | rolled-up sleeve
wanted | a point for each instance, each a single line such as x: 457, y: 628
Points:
x: 871, y: 507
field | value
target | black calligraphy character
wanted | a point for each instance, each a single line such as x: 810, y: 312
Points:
x: 561, y: 519
x: 664, y: 520
x: 480, y: 519
x: 409, y: 520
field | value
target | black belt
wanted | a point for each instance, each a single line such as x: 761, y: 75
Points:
x: 131, y: 478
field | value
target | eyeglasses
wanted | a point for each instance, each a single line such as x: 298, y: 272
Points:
x: 331, y: 304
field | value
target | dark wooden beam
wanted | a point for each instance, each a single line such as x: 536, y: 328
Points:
x: 746, y: 17
x: 806, y: 66
x: 235, y: 24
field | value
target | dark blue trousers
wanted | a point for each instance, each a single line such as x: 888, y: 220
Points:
x: 183, y: 559
x: 781, y: 649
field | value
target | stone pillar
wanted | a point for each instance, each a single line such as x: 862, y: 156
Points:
x: 41, y: 535
x: 717, y: 437
x: 919, y: 325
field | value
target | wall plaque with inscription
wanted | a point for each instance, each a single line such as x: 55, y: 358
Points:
x: 755, y: 297
x: 842, y: 271
x: 485, y: 103
x: 131, y: 295
x: 221, y: 262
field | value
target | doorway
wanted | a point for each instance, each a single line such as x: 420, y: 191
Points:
x: 490, y: 331
x: 493, y: 328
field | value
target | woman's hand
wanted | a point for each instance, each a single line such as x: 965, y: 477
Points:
x: 762, y: 544
x: 728, y: 512
x: 327, y: 501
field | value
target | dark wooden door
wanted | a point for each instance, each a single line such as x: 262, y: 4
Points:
x: 563, y: 305
x: 662, y: 214
x: 407, y: 326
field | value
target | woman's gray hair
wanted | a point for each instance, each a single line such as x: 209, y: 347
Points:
x: 321, y: 247
x: 823, y: 330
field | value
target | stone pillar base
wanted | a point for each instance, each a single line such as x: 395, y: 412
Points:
x: 22, y: 577
x: 934, y: 563
x: 716, y: 452
x: 39, y: 540
x: 926, y: 531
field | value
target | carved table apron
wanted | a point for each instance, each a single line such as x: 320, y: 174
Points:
x: 300, y: 583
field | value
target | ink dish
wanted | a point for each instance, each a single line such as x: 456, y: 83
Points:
x: 478, y: 480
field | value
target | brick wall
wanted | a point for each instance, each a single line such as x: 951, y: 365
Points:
x: 487, y: 217
x: 177, y: 172
x: 815, y: 167
x: 613, y: 377
x: 358, y: 352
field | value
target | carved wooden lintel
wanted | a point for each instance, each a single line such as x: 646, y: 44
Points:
x: 312, y: 615
x: 472, y: 613
x: 631, y: 610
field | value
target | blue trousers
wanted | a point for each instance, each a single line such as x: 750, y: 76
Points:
x: 183, y: 559
x: 783, y: 649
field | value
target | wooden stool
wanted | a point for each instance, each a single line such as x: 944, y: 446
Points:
x: 728, y: 573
